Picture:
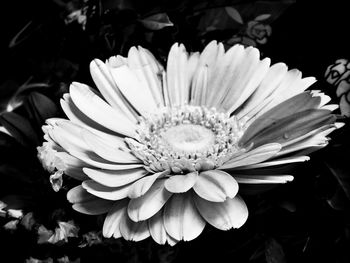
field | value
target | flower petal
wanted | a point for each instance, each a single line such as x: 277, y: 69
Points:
x: 150, y: 203
x: 251, y: 84
x: 106, y: 85
x: 263, y: 179
x: 181, y: 183
x: 133, y: 231
x: 293, y: 126
x: 135, y: 90
x: 94, y: 160
x: 270, y: 82
x: 78, y: 195
x: 85, y: 122
x: 287, y: 160
x: 181, y: 218
x: 98, y: 110
x: 157, y: 229
x: 113, y: 218
x: 220, y: 81
x: 115, y: 178
x: 86, y: 203
x: 146, y: 70
x: 254, y: 156
x: 94, y: 207
x: 141, y: 186
x: 232, y: 213
x: 298, y: 103
x: 247, y: 68
x: 215, y: 186
x: 109, y: 193
x: 106, y: 151
x: 177, y: 75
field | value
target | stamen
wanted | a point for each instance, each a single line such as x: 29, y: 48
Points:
x: 186, y: 139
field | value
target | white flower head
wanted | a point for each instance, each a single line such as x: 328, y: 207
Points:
x: 162, y: 152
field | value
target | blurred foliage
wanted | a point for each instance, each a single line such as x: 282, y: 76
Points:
x: 45, y: 45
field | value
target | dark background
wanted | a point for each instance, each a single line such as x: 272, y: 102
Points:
x: 291, y: 223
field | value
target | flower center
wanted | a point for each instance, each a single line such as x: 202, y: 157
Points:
x: 187, y: 138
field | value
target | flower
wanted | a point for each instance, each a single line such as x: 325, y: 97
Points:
x: 258, y: 31
x: 338, y: 75
x: 164, y: 152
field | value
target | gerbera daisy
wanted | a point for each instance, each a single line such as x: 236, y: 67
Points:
x: 163, y: 152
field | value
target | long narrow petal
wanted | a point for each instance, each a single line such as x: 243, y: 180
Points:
x: 232, y: 213
x: 263, y: 179
x: 133, y: 231
x: 96, y: 161
x: 177, y: 75
x: 251, y: 84
x: 292, y: 127
x: 113, y: 219
x: 215, y: 186
x: 181, y: 218
x: 157, y: 229
x: 77, y: 117
x: 86, y: 203
x: 106, y: 85
x: 267, y: 86
x: 94, y: 207
x: 109, y: 193
x: 220, y: 81
x: 181, y: 183
x: 150, y: 203
x: 78, y: 195
x: 146, y: 71
x: 136, y: 91
x: 98, y: 110
x: 254, y: 156
x: 247, y: 68
x: 106, y: 151
x: 112, y: 178
x: 298, y: 103
x: 141, y: 186
x: 287, y: 160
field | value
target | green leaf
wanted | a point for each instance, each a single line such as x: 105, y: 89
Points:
x: 40, y: 107
x: 262, y: 17
x: 157, y: 21
x: 234, y: 14
x: 20, y: 128
x: 274, y: 252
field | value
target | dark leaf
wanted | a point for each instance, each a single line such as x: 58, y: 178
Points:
x: 20, y: 128
x: 40, y: 107
x: 274, y: 252
x: 156, y: 22
x: 234, y: 14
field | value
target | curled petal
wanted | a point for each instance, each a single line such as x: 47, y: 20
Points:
x: 113, y: 219
x: 106, y: 151
x: 215, y: 186
x: 181, y: 183
x: 181, y: 218
x: 254, y: 156
x: 157, y: 229
x: 98, y: 110
x: 133, y: 231
x: 141, y: 186
x: 115, y: 178
x: 263, y: 179
x: 150, y: 203
x: 232, y: 213
x: 109, y: 193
